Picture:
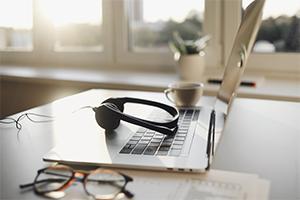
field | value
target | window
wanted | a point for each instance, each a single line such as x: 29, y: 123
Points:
x: 277, y: 48
x: 135, y: 33
x: 77, y: 24
x: 16, y: 25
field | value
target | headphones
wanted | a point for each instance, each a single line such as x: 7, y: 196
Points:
x: 109, y: 114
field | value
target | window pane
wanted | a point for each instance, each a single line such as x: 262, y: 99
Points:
x: 16, y: 25
x: 280, y: 29
x: 77, y: 24
x: 152, y: 22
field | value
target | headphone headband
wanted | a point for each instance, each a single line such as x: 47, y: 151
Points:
x: 109, y: 114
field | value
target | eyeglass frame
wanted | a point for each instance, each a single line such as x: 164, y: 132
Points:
x: 83, y: 180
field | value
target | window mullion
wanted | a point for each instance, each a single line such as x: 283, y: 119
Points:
x: 212, y: 26
x: 232, y: 18
x: 43, y: 32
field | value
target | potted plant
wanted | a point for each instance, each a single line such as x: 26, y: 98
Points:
x: 190, y: 56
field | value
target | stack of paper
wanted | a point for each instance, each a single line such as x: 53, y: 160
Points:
x: 212, y: 185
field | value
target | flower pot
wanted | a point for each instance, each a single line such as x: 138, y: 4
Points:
x: 191, y: 67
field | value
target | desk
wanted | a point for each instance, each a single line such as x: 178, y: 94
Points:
x: 261, y: 137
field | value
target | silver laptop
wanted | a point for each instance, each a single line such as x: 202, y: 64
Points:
x: 190, y: 149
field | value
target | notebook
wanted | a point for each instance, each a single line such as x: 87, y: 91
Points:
x: 191, y: 149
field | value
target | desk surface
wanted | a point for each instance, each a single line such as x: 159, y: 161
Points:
x: 261, y: 137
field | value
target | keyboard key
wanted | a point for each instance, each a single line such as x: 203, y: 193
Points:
x: 148, y: 134
x: 168, y: 139
x: 150, y: 150
x: 176, y: 146
x: 162, y: 153
x: 132, y: 142
x: 136, y: 138
x: 142, y: 130
x: 181, y: 134
x: 138, y: 134
x: 185, y: 123
x: 144, y: 142
x: 154, y: 144
x: 139, y: 149
x: 179, y: 138
x: 178, y: 142
x: 164, y: 148
x: 181, y: 112
x: 183, y: 127
x: 130, y: 146
x: 156, y: 140
x: 125, y: 151
x: 127, y: 148
x: 158, y: 136
x: 189, y: 112
x: 166, y: 143
x: 196, y: 115
x: 146, y: 138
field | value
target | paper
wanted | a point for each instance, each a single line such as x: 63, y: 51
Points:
x: 213, y: 185
x: 204, y: 189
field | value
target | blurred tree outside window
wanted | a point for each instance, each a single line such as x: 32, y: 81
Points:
x: 280, y: 28
x: 152, y: 22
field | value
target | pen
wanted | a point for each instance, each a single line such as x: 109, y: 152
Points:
x: 243, y: 83
x: 211, y: 138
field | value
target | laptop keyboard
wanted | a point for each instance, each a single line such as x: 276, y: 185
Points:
x: 148, y: 142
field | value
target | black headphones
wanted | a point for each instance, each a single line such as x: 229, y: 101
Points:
x: 110, y: 113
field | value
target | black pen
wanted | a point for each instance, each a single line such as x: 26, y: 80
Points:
x: 211, y: 138
x: 243, y: 83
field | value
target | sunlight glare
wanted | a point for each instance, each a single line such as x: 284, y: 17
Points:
x: 16, y: 14
x: 63, y: 12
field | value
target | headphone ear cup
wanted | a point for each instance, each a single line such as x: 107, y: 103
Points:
x: 108, y: 116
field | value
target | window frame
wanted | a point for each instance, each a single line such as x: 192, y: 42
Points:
x: 43, y: 52
x: 276, y: 63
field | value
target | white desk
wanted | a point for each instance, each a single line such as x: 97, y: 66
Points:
x: 261, y: 137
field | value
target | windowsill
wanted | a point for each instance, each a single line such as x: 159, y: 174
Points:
x: 274, y: 88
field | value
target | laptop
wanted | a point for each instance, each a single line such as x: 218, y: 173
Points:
x: 191, y: 149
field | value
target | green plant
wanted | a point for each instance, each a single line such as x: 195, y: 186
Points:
x: 178, y: 45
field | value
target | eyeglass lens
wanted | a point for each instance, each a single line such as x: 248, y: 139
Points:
x: 104, y: 184
x: 52, y: 179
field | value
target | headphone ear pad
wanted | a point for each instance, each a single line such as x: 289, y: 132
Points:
x: 108, y: 116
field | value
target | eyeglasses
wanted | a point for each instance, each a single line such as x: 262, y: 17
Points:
x: 99, y: 183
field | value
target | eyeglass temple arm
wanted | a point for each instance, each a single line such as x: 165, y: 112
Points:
x: 41, y: 181
x: 127, y: 193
